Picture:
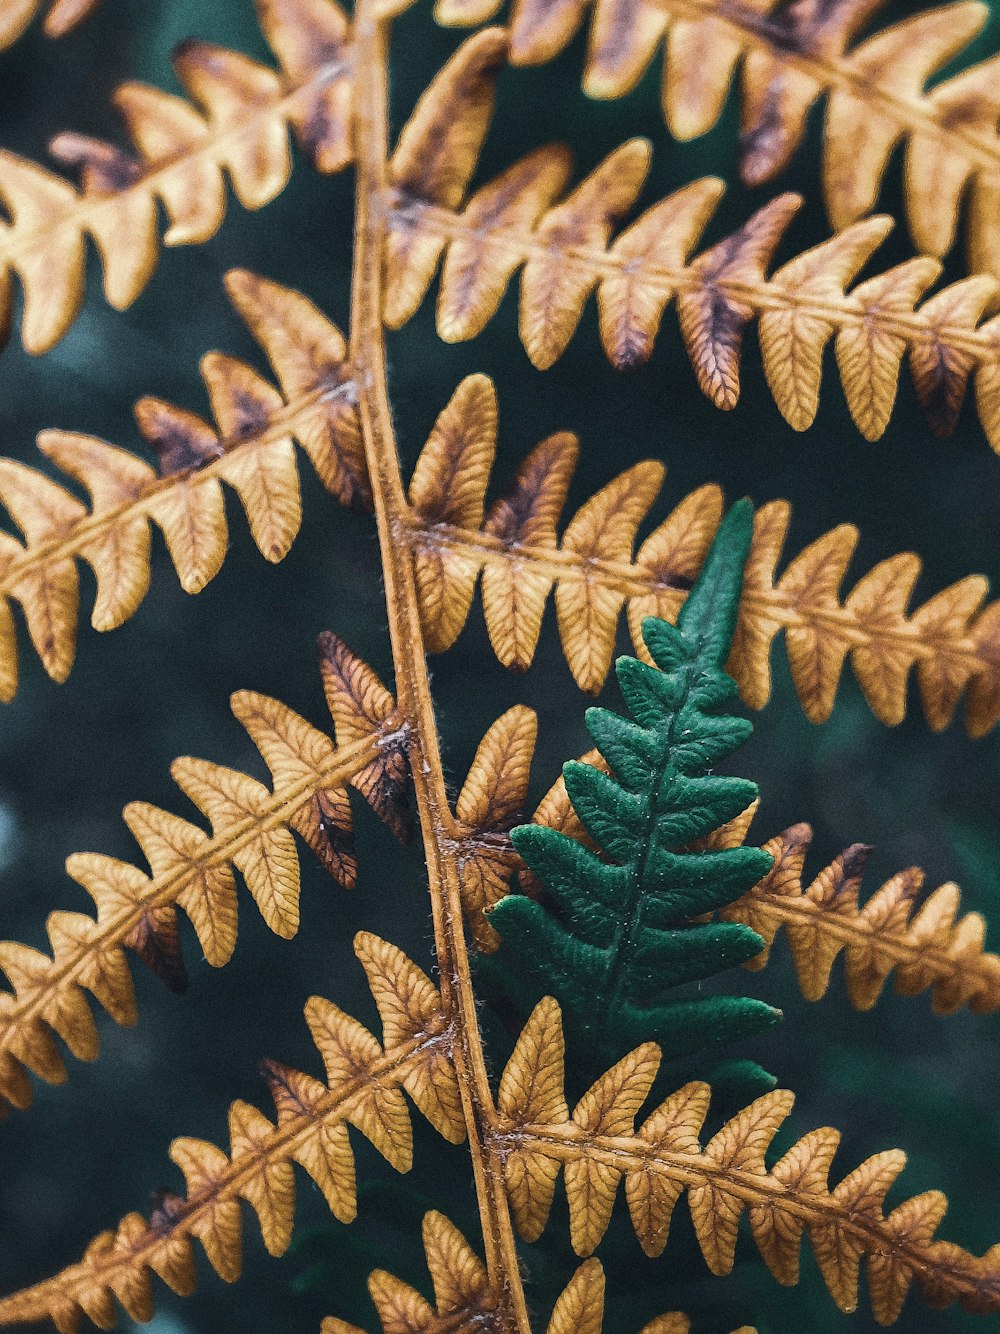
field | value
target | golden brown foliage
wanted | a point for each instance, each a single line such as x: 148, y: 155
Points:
x: 234, y: 123
x: 789, y: 54
x: 463, y: 1299
x: 250, y: 448
x: 921, y: 947
x: 950, y: 640
x: 564, y: 252
x: 491, y: 802
x: 251, y: 829
x: 364, y: 1089
x: 598, y: 1145
x: 412, y: 211
x: 60, y: 17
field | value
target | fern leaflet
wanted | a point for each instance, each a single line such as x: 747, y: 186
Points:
x: 925, y: 946
x: 951, y: 640
x: 599, y: 1145
x: 251, y: 829
x: 235, y: 122
x: 60, y: 17
x: 250, y: 449
x: 463, y: 1299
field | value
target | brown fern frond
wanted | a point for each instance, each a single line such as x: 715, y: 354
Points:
x: 791, y: 53
x: 250, y: 448
x: 951, y: 640
x: 464, y: 1300
x: 364, y: 1088
x: 598, y: 1145
x: 60, y: 17
x: 251, y: 829
x: 925, y: 945
x: 234, y: 123
x: 565, y: 252
x: 492, y: 801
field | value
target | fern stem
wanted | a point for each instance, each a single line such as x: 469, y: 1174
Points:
x: 412, y: 684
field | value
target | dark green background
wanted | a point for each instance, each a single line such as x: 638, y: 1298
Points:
x: 71, y: 756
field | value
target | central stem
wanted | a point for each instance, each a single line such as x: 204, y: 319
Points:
x: 412, y: 685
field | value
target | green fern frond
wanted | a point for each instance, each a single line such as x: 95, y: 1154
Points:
x: 616, y: 933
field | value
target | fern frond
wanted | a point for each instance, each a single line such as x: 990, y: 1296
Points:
x: 613, y: 936
x: 464, y: 1300
x: 492, y: 801
x: 60, y: 17
x: 564, y: 251
x: 925, y: 945
x: 251, y: 829
x: 951, y: 640
x: 789, y: 56
x: 250, y: 448
x: 599, y: 1145
x: 364, y: 1089
x: 235, y: 122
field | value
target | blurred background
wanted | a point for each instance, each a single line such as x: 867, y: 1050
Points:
x: 71, y: 756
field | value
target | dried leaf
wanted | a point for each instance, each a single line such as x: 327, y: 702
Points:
x: 60, y: 17
x: 790, y: 56
x: 565, y: 251
x: 464, y: 1299
x: 249, y: 448
x: 364, y: 1078
x: 728, y: 1176
x: 361, y: 707
x: 951, y: 639
x: 921, y: 944
x: 491, y: 802
x: 234, y: 122
x: 192, y: 869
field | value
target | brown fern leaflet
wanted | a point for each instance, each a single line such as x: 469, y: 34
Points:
x: 60, y: 17
x: 251, y: 829
x: 364, y: 1089
x: 234, y: 123
x: 564, y: 252
x: 463, y: 1299
x: 250, y: 449
x: 923, y: 947
x: 791, y: 53
x: 951, y: 640
x: 491, y: 802
x: 598, y: 1145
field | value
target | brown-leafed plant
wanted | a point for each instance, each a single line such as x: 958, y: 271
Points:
x: 609, y: 914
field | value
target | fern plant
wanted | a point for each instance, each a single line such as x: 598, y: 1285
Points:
x: 603, y: 949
